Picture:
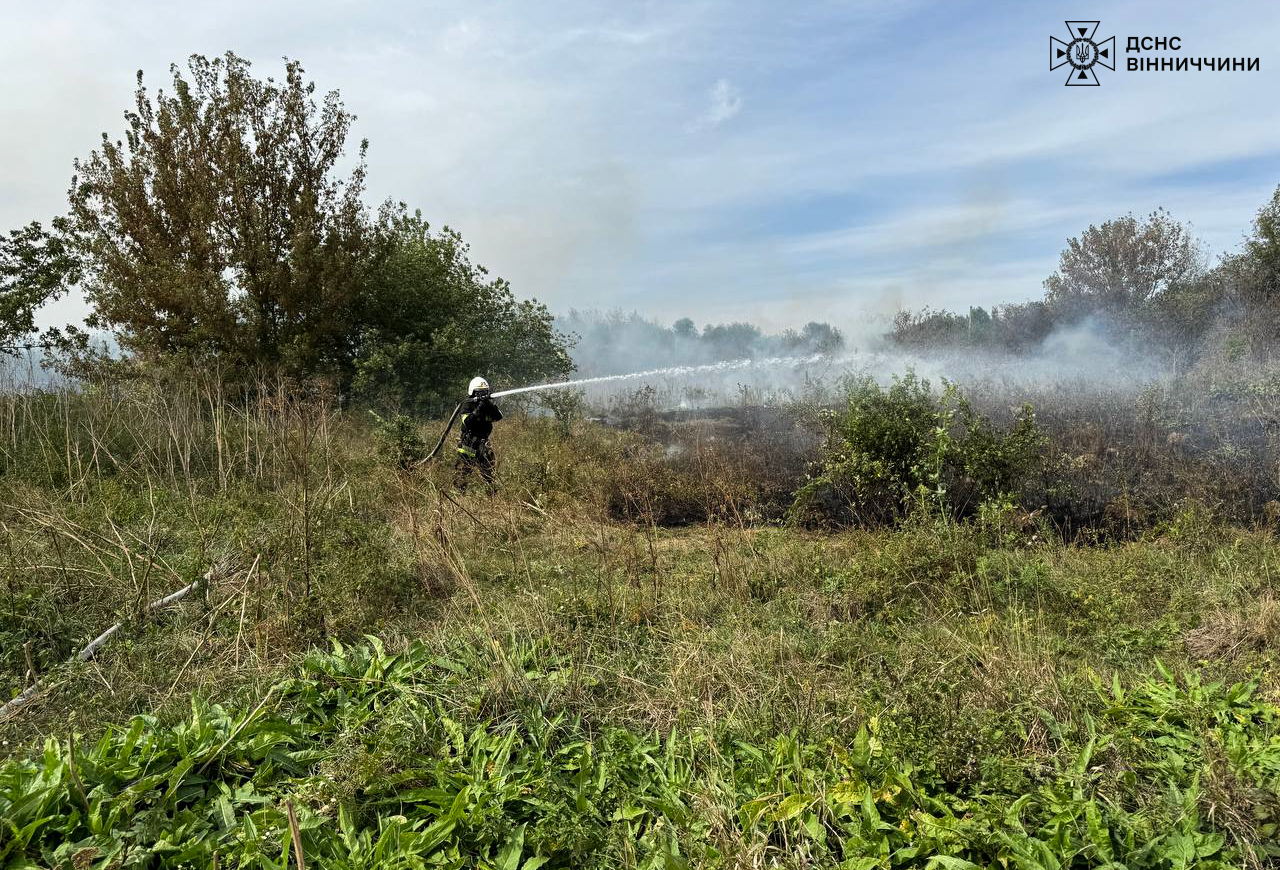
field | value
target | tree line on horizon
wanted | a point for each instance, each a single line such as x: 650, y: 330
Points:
x: 217, y: 232
x: 616, y: 342
x: 1148, y: 281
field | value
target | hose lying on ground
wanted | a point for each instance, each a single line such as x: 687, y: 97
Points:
x: 443, y: 435
x: 11, y: 708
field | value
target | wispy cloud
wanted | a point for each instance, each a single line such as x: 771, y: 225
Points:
x: 726, y: 101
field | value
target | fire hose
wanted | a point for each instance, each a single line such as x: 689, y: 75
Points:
x: 443, y: 435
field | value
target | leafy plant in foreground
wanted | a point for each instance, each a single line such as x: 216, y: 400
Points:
x: 382, y: 775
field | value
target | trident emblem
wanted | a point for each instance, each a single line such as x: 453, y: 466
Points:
x: 1081, y: 53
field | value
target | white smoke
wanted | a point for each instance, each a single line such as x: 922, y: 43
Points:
x: 1088, y: 354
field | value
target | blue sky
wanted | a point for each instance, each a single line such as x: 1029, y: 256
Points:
x: 746, y: 160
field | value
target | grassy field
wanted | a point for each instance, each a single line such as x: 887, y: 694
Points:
x: 622, y: 656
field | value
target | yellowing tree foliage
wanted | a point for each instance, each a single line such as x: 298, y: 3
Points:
x: 219, y: 230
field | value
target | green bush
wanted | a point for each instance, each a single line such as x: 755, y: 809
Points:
x: 890, y: 449
x: 400, y: 441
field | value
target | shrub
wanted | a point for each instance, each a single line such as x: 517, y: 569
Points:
x: 890, y: 448
x: 399, y: 440
x: 566, y: 407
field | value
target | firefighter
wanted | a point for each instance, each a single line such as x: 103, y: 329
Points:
x: 479, y: 413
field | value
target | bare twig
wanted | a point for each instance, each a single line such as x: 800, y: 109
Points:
x: 296, y: 833
x: 31, y: 667
x: 244, y: 601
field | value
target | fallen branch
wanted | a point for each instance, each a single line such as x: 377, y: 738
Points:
x: 11, y: 708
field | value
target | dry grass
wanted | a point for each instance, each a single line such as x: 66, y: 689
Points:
x: 951, y: 630
x: 1227, y: 634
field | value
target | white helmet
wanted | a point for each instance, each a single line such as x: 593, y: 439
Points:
x: 477, y: 384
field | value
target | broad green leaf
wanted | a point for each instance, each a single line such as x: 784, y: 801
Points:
x: 791, y: 807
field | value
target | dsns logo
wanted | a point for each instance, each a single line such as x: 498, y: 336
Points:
x: 1082, y: 53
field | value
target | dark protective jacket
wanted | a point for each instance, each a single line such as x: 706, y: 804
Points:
x: 478, y: 417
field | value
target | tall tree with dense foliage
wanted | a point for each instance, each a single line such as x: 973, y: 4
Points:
x: 219, y: 228
x: 431, y: 319
x: 814, y: 337
x: 1124, y: 264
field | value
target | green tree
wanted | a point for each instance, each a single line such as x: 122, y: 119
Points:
x: 731, y: 340
x: 814, y: 338
x: 431, y: 319
x: 1255, y: 280
x: 1183, y: 315
x: 218, y: 227
x: 36, y: 267
x: 220, y: 230
x: 1123, y: 264
x: 1264, y: 245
